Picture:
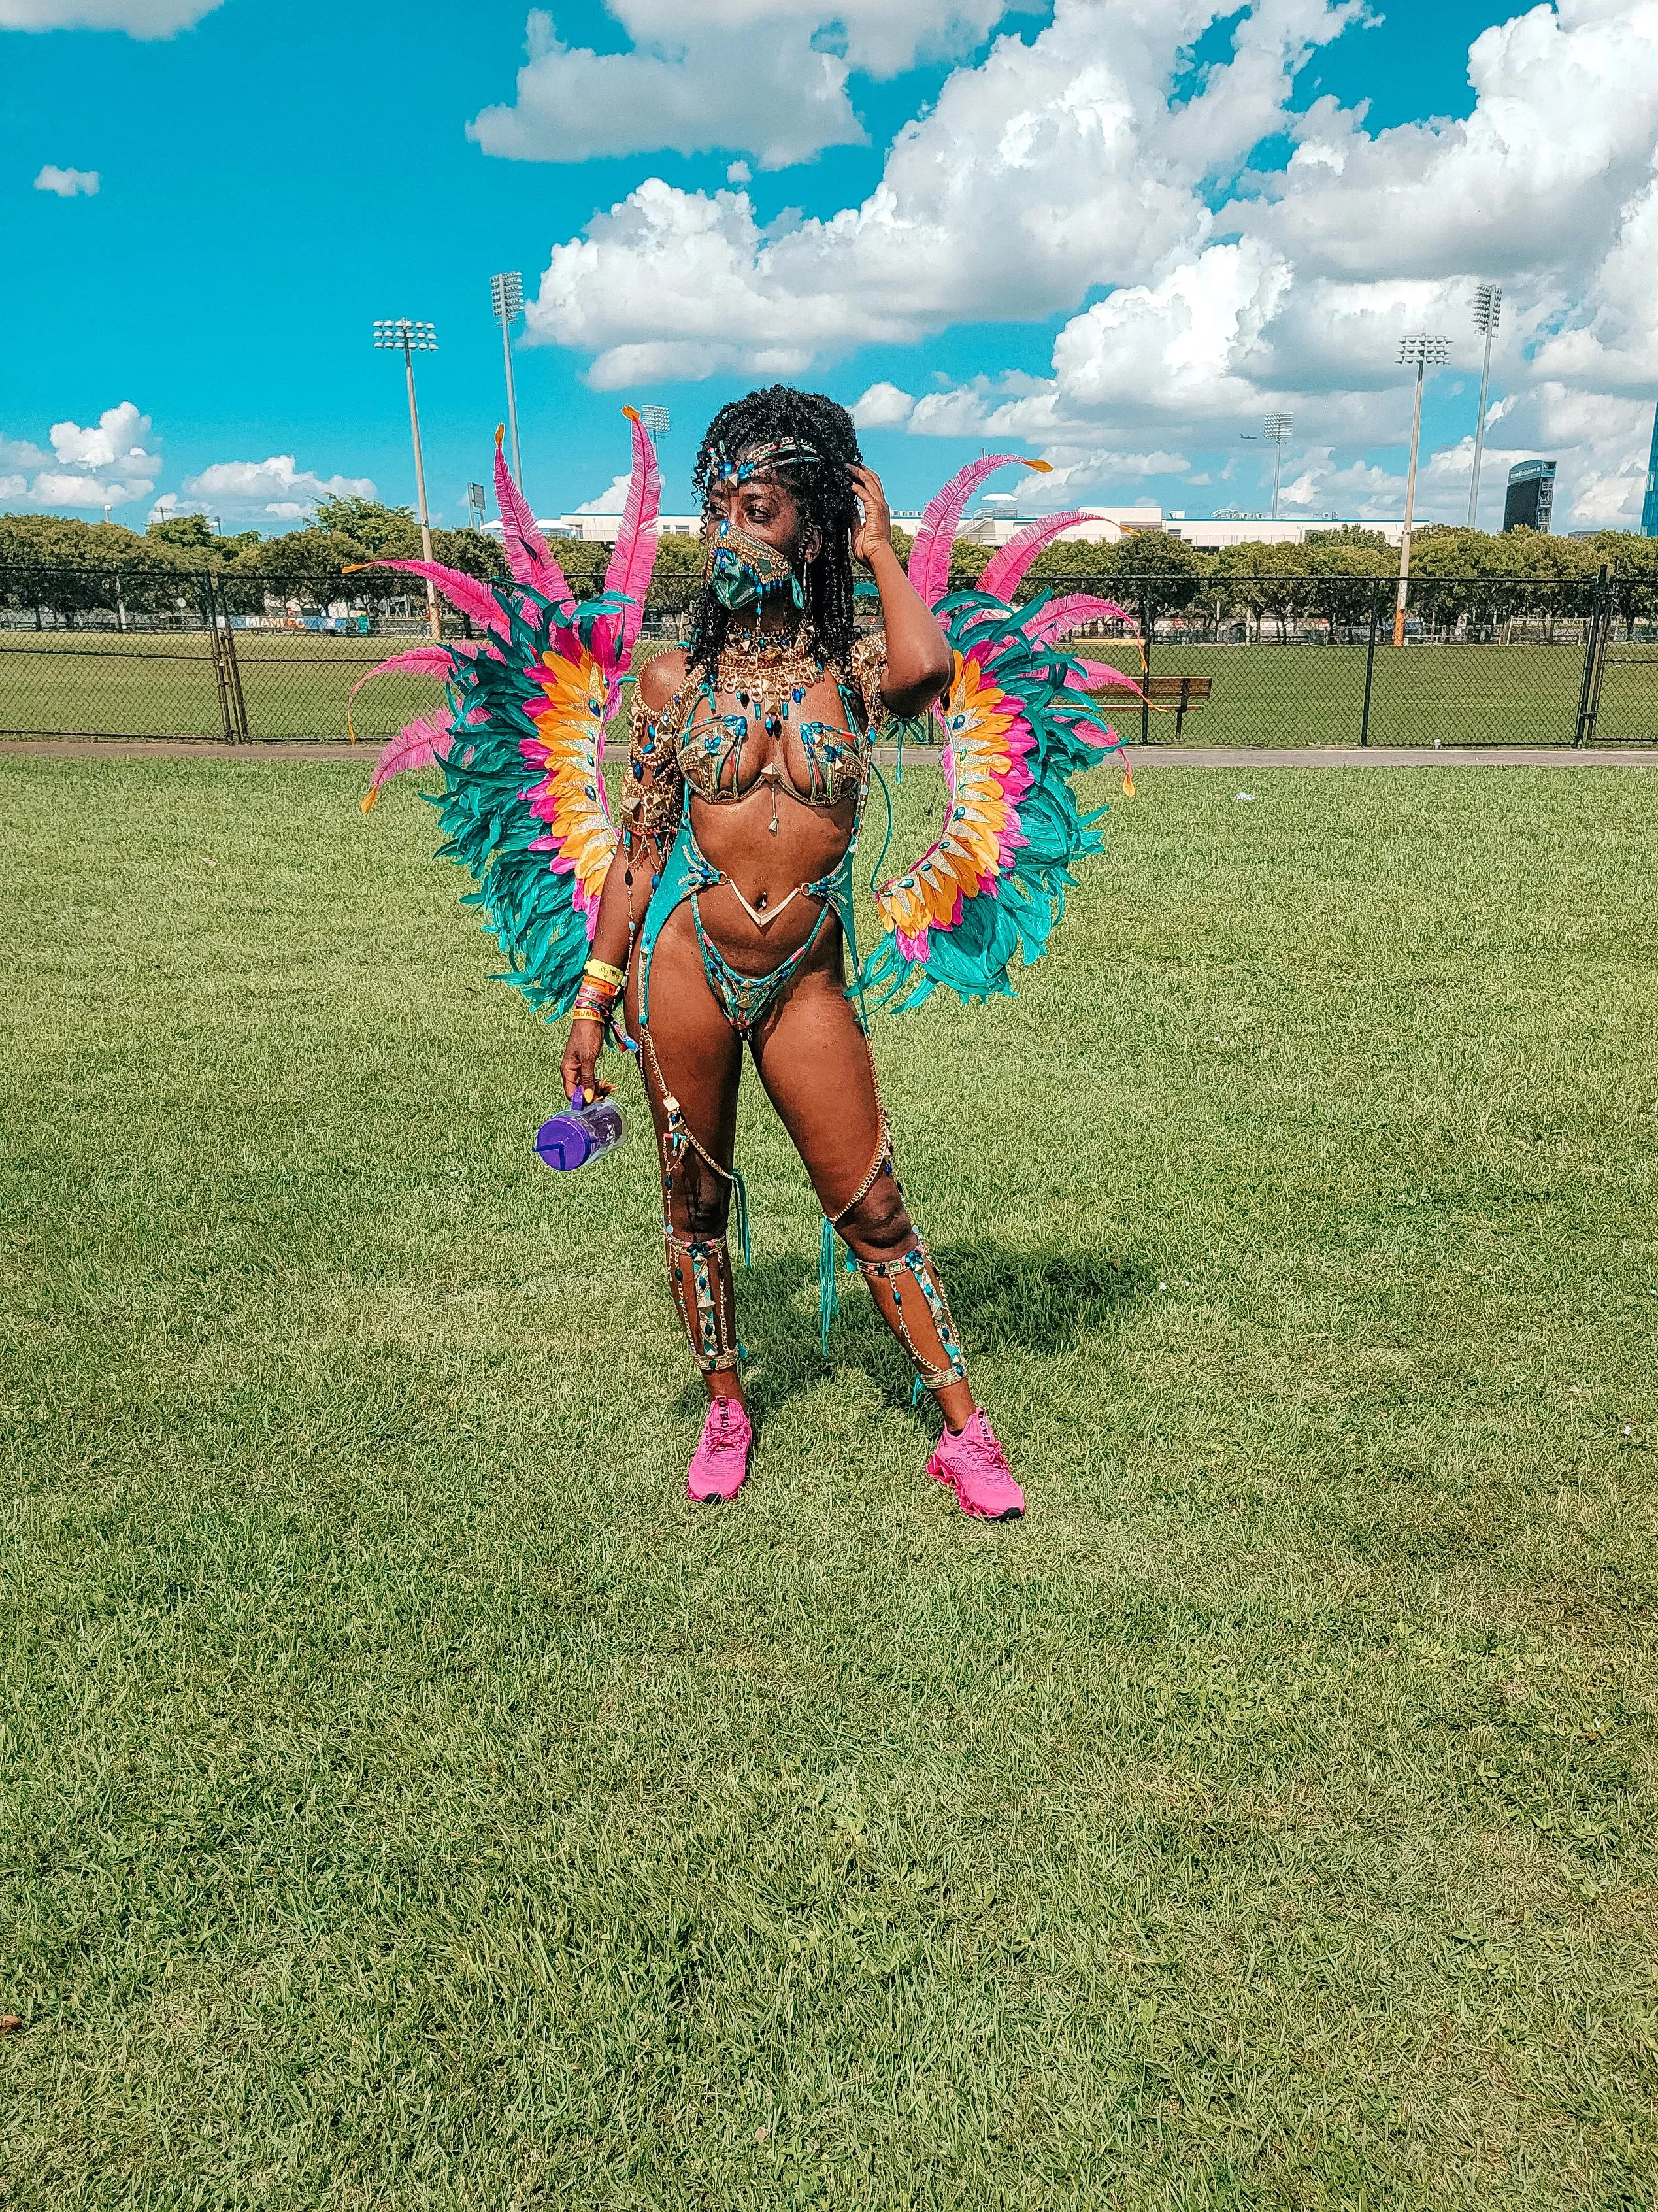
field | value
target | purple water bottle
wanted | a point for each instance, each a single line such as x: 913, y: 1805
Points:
x: 581, y: 1133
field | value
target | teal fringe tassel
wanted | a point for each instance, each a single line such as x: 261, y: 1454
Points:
x: 828, y: 1296
x: 740, y: 1208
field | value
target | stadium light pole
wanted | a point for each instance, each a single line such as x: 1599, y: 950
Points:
x: 1487, y: 314
x: 506, y: 304
x: 1274, y: 432
x: 476, y: 509
x: 1421, y: 353
x: 401, y: 336
x: 654, y: 422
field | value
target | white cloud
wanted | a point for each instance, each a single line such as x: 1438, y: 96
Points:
x: 276, y: 487
x: 140, y: 18
x: 768, y: 76
x: 116, y: 440
x: 883, y: 407
x: 611, y: 501
x: 67, y: 183
x: 1561, y: 133
x: 1547, y: 186
x: 110, y: 463
x: 1050, y: 168
x: 105, y: 464
x: 1082, y: 160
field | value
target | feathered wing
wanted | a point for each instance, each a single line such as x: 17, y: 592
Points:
x: 519, y: 742
x: 1018, y: 730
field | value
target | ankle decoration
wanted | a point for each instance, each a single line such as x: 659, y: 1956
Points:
x: 706, y: 1313
x: 917, y: 1266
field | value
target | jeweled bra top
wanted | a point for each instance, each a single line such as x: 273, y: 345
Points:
x: 770, y: 688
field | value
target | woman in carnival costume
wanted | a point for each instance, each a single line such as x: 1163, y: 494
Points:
x: 722, y: 914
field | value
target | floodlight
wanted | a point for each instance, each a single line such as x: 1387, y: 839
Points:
x: 1274, y: 431
x: 1487, y: 314
x: 506, y: 304
x: 1421, y: 353
x: 399, y: 334
x: 655, y: 422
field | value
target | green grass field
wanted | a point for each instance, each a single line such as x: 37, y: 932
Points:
x: 409, y: 1804
x: 295, y: 686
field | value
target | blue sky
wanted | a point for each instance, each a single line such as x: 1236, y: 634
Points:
x: 269, y: 180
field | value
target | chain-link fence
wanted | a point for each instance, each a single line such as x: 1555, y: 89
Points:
x: 1289, y: 660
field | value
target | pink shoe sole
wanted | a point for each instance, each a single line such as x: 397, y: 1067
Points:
x: 979, y: 1512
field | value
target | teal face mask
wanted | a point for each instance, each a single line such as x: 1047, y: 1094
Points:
x: 741, y: 571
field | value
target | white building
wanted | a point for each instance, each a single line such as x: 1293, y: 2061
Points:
x: 993, y: 525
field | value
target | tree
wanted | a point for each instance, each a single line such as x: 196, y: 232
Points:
x: 1155, y: 573
x: 1344, y: 568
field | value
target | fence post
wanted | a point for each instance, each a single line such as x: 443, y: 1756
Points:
x: 210, y: 616
x: 1145, y: 672
x: 1595, y: 658
x: 1370, y: 666
x: 225, y: 666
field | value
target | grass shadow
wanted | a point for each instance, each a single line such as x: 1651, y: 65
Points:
x: 1005, y: 1299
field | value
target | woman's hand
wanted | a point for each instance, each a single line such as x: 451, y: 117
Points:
x: 580, y: 1062
x: 876, y: 528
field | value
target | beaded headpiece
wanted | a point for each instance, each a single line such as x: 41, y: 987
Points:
x: 728, y: 472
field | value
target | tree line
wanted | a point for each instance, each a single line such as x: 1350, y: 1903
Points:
x: 1459, y: 576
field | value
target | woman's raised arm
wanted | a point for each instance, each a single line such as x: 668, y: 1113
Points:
x: 919, y: 661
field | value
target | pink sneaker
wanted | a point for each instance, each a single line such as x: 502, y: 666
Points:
x: 976, y: 1467
x: 719, y: 1465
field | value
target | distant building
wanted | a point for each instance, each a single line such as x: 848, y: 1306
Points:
x: 1649, y: 504
x: 1530, y: 502
x: 994, y: 525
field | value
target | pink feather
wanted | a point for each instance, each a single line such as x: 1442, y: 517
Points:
x: 419, y: 660
x: 419, y: 745
x: 634, y: 554
x: 525, y: 548
x: 1002, y: 571
x: 463, y: 592
x: 929, y: 557
x: 1069, y: 611
x: 1100, y: 676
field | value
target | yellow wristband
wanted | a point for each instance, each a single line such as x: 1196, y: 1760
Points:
x: 602, y: 972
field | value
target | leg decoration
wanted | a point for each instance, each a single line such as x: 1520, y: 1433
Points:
x: 699, y: 1269
x: 920, y: 1314
x: 829, y: 1300
x: 678, y: 1139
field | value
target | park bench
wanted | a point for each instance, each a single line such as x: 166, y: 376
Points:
x: 1182, y: 693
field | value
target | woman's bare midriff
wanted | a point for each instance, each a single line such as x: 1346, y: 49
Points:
x: 735, y: 836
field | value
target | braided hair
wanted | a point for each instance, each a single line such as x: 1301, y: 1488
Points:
x: 822, y: 488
